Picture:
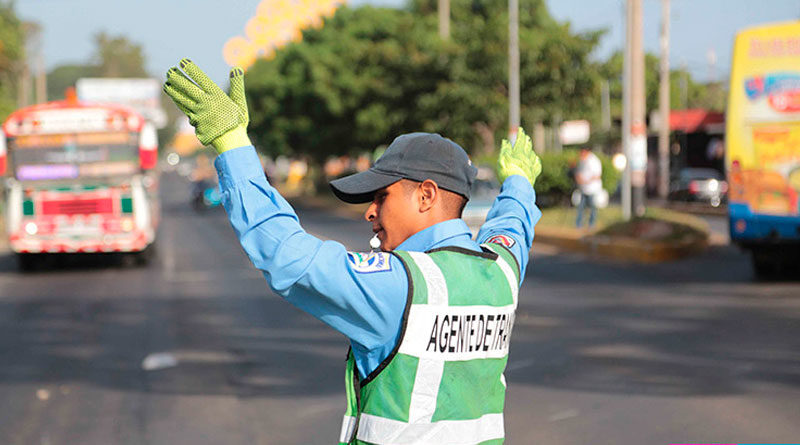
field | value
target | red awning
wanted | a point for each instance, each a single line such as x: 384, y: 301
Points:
x: 696, y: 120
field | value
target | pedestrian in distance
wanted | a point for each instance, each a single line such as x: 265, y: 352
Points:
x: 429, y: 317
x: 588, y: 177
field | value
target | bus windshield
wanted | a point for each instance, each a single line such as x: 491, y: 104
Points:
x: 74, y: 156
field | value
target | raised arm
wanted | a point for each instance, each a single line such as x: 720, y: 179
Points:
x: 514, y: 214
x: 356, y: 297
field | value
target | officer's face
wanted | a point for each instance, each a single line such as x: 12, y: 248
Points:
x: 393, y: 214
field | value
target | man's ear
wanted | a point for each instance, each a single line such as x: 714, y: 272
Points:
x: 428, y: 195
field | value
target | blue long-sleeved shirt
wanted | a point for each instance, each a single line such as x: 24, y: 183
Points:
x: 364, y: 300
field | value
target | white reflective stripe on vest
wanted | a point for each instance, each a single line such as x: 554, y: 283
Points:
x: 348, y: 423
x: 426, y: 390
x: 458, y: 332
x: 393, y: 432
x: 512, y: 279
x: 437, y: 286
x: 429, y: 371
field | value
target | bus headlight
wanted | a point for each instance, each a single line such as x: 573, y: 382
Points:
x: 127, y: 225
x: 31, y: 228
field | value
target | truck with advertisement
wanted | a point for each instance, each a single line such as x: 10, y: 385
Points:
x: 762, y: 140
x: 81, y: 178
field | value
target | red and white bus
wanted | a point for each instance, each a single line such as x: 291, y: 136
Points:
x: 81, y: 178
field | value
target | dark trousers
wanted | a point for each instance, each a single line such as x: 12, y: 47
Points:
x: 586, y: 201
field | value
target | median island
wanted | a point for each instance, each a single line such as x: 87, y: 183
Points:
x: 658, y: 235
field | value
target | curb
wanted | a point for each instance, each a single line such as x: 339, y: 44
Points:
x: 695, y: 208
x: 619, y: 248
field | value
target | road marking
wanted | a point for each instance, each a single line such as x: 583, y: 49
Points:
x: 158, y: 361
x: 563, y: 415
x: 169, y: 359
x: 519, y: 364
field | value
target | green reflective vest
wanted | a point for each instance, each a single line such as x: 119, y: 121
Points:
x: 443, y: 383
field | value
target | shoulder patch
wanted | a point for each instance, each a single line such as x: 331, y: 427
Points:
x: 367, y: 262
x: 502, y: 239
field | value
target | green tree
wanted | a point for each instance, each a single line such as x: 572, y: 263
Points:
x: 113, y: 56
x: 685, y: 92
x: 12, y: 55
x: 350, y: 86
x: 371, y: 74
x: 116, y: 56
x: 64, y: 76
x: 557, y: 79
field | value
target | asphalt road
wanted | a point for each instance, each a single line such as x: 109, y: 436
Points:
x: 603, y: 352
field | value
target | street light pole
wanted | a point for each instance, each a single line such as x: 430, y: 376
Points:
x: 664, y: 105
x: 513, y: 68
x: 638, y: 130
x: 444, y: 19
x: 626, y: 116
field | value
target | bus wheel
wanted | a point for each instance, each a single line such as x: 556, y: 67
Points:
x: 144, y: 257
x: 27, y: 262
x: 765, y: 264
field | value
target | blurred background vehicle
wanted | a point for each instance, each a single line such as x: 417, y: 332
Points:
x: 482, y: 194
x: 205, y: 188
x: 700, y: 185
x: 82, y: 179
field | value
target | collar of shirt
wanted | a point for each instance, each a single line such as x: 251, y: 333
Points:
x: 453, y: 232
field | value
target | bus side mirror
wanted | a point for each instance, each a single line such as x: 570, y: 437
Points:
x: 148, y: 146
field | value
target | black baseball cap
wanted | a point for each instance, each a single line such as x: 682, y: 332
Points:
x: 415, y: 156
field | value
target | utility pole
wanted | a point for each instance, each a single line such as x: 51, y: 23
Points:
x: 626, y: 116
x: 36, y: 48
x: 41, y: 79
x: 513, y: 68
x: 711, y: 56
x: 684, y: 85
x: 605, y: 105
x: 663, y: 104
x: 444, y: 19
x: 24, y: 91
x: 638, y: 130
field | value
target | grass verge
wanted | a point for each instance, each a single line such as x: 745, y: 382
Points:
x: 657, y: 224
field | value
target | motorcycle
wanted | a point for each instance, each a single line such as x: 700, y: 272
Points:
x: 205, y: 195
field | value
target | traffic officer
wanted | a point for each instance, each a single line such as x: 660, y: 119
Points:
x: 428, y: 317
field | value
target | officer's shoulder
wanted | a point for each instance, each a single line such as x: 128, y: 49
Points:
x: 370, y: 262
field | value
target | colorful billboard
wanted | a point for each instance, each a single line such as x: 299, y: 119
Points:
x: 763, y: 120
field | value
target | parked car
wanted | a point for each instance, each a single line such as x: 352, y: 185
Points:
x: 700, y: 185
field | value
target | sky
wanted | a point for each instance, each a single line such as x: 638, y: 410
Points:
x: 172, y: 29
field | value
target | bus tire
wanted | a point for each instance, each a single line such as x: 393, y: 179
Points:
x: 144, y: 257
x: 765, y: 265
x: 27, y: 262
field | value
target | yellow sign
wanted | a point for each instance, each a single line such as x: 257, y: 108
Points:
x: 239, y: 51
x: 276, y: 23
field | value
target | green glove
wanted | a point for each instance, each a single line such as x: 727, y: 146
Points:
x: 519, y: 159
x: 218, y: 119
